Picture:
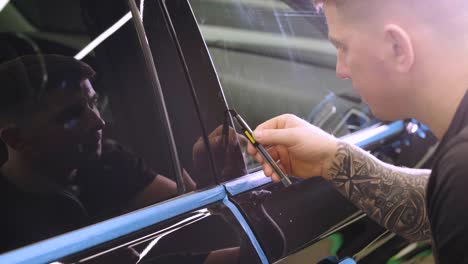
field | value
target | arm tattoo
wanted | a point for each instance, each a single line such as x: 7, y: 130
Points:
x: 392, y: 196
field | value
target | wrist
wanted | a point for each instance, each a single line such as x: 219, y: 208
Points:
x: 329, y: 160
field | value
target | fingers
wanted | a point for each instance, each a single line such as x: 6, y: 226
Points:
x: 280, y: 122
x: 251, y: 149
x: 274, y: 137
x: 259, y: 158
x: 276, y: 131
x: 274, y: 123
x: 274, y: 153
x: 242, y: 139
x: 277, y: 153
x: 269, y: 172
x: 217, y: 132
x: 218, y: 137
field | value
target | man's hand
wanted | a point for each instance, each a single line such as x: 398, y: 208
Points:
x: 302, y: 149
x: 392, y: 196
x: 225, y: 147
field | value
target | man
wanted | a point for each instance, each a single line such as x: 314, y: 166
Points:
x: 60, y: 174
x: 406, y: 59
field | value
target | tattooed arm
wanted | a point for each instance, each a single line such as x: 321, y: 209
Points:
x: 392, y: 196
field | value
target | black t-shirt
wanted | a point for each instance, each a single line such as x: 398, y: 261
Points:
x: 106, y: 185
x: 27, y: 218
x: 102, y: 189
x: 447, y: 192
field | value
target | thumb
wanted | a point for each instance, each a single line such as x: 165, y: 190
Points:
x: 283, y: 137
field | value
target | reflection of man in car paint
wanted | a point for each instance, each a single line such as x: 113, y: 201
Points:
x: 406, y: 59
x: 60, y: 174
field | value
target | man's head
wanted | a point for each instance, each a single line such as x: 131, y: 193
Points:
x: 393, y: 50
x: 48, y: 113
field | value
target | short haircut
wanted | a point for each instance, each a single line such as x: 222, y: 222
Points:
x: 319, y: 3
x: 447, y: 18
x: 25, y: 80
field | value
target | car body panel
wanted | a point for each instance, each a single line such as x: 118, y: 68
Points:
x: 103, y: 232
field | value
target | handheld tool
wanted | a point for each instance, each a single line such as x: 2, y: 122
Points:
x: 249, y: 134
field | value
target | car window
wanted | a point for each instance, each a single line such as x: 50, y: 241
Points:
x: 49, y: 14
x: 82, y: 137
x: 201, y: 84
x: 273, y: 59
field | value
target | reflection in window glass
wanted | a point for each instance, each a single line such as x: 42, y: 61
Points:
x: 272, y: 59
x: 81, y: 140
x: 48, y: 15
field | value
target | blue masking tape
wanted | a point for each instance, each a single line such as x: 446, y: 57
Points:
x: 247, y: 183
x: 363, y: 140
x: 67, y: 244
x: 347, y: 261
x: 247, y: 229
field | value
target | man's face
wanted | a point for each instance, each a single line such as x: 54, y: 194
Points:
x: 67, y: 132
x: 361, y: 58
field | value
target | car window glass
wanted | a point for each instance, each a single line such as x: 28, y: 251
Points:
x: 47, y: 15
x: 273, y: 57
x: 82, y: 139
x: 203, y: 86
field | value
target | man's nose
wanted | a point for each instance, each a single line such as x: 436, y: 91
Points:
x: 342, y: 70
x: 96, y: 123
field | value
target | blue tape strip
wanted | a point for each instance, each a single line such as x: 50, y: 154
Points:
x: 247, y: 229
x: 367, y: 137
x: 64, y: 245
x: 247, y: 183
x: 348, y: 261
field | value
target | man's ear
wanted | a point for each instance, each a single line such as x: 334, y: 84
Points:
x: 402, y: 52
x: 11, y: 136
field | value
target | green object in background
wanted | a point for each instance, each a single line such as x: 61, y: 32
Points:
x: 337, y: 241
x: 393, y: 261
x: 422, y: 254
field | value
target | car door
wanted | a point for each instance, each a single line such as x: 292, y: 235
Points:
x: 268, y: 59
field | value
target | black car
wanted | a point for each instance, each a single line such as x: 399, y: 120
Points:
x: 167, y: 71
